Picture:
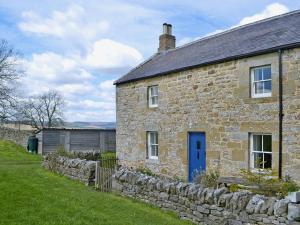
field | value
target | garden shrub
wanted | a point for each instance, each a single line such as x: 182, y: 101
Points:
x: 108, y: 160
x: 207, y: 178
x: 265, y: 182
x: 146, y: 171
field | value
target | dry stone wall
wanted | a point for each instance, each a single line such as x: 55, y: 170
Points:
x: 76, y: 169
x: 205, y: 205
x: 18, y: 136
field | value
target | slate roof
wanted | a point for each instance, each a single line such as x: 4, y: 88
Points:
x: 261, y: 37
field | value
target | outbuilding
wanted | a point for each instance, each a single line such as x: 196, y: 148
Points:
x: 76, y: 140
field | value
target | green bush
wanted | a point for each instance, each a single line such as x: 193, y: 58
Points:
x: 207, y: 178
x: 108, y: 160
x: 146, y: 171
x: 108, y: 155
x: 60, y: 151
x: 265, y: 182
x: 234, y: 187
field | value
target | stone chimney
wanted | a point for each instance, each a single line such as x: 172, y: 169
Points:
x: 166, y: 40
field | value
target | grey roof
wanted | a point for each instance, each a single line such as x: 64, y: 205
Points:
x: 260, y: 37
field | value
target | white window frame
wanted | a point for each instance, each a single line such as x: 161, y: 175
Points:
x: 150, y: 145
x: 260, y: 95
x: 150, y: 96
x: 263, y: 152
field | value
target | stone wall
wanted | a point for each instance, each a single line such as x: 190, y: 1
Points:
x: 76, y: 169
x: 18, y: 136
x: 204, y: 205
x: 214, y: 99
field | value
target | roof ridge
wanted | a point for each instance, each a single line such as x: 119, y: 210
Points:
x: 237, y: 28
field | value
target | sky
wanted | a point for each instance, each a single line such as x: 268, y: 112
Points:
x: 80, y: 47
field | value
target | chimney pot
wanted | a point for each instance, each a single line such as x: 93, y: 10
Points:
x: 166, y: 40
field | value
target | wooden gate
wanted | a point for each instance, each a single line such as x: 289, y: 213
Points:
x: 105, y: 169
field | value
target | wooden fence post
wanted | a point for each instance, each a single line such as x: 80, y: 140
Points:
x: 97, y: 174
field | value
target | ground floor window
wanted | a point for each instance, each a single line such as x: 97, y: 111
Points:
x: 152, y: 137
x: 261, y: 151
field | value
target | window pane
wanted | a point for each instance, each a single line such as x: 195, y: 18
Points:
x: 267, y: 86
x: 257, y: 143
x: 151, y: 91
x: 267, y: 161
x: 153, y: 138
x: 267, y: 143
x: 257, y: 74
x: 155, y: 90
x: 258, y: 160
x: 153, y: 101
x: 267, y: 73
x: 258, y: 88
x: 153, y: 151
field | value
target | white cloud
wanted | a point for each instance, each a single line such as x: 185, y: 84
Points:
x: 107, y: 90
x: 63, y: 24
x: 271, y: 10
x: 107, y: 53
x: 71, y: 90
x: 72, y: 76
x: 56, y: 69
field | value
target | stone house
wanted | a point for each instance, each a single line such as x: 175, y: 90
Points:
x: 231, y: 101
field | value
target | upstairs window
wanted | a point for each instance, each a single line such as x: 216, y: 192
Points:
x: 153, y: 96
x: 261, y: 151
x: 261, y: 80
x: 152, y: 137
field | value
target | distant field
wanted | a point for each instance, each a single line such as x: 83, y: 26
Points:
x: 95, y: 125
x: 30, y: 195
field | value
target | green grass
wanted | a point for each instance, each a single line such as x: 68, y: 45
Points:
x: 31, y: 195
x: 108, y: 155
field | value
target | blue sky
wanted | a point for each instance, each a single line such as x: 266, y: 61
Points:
x: 80, y: 47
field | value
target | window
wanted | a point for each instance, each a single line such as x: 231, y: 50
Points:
x: 152, y: 144
x: 261, y: 151
x: 261, y: 80
x: 153, y: 96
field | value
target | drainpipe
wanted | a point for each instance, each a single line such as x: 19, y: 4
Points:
x: 280, y: 112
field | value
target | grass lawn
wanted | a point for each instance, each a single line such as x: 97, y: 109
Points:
x: 31, y: 195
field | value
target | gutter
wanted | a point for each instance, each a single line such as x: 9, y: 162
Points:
x: 280, y: 99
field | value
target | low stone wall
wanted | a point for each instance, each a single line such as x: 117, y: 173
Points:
x: 203, y: 205
x: 76, y: 169
x: 18, y: 136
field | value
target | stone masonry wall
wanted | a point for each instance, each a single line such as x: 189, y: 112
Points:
x: 214, y: 99
x: 204, y: 205
x: 18, y: 136
x: 76, y: 169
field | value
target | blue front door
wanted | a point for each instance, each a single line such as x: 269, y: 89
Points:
x: 197, y: 153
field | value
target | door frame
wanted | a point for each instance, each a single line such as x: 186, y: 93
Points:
x: 188, y: 149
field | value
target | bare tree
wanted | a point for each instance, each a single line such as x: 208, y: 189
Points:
x: 9, y: 73
x: 45, y: 110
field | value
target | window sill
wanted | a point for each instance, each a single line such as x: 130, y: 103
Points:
x: 260, y: 100
x: 152, y: 160
x: 152, y: 106
x: 262, y: 171
x: 262, y: 96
